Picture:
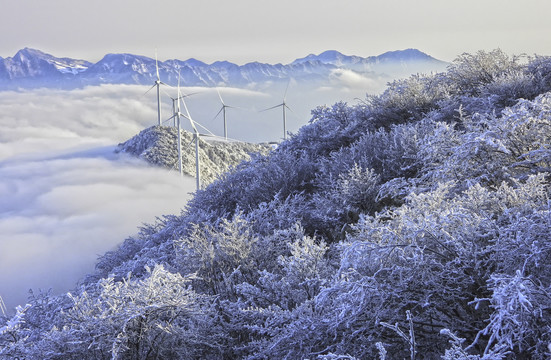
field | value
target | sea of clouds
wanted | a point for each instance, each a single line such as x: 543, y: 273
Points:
x: 66, y: 197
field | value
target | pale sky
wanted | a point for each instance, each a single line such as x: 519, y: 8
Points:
x: 272, y: 31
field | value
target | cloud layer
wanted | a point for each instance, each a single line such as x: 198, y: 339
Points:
x: 65, y: 196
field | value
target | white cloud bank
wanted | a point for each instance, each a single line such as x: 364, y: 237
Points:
x: 65, y: 197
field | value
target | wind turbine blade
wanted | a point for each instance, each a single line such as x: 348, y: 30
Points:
x: 218, y: 113
x: 189, y: 117
x: 289, y: 108
x: 157, y: 66
x: 178, y: 96
x: 191, y: 142
x: 273, y: 107
x: 145, y: 93
x: 191, y: 94
x: 220, y: 96
x: 286, y: 89
x: 170, y: 118
x: 183, y: 115
x: 210, y: 132
x: 167, y: 94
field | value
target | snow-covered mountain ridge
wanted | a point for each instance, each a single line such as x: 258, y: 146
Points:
x: 31, y: 68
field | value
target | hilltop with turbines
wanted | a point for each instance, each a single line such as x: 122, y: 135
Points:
x: 154, y: 143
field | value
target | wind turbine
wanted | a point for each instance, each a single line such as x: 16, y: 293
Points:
x: 196, y: 138
x: 284, y: 107
x: 174, y: 100
x: 223, y: 110
x: 157, y: 84
x: 178, y: 115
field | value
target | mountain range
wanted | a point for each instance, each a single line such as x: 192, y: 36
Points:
x: 31, y: 68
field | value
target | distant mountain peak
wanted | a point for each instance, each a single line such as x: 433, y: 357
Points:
x: 339, y: 59
x: 194, y: 62
x: 407, y: 54
x: 30, y: 51
x: 326, y: 57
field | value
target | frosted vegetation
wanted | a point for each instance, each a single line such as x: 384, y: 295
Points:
x: 414, y: 224
x: 158, y: 145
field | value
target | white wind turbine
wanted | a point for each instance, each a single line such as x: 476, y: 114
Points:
x: 174, y: 100
x: 157, y: 84
x: 284, y: 107
x: 223, y: 111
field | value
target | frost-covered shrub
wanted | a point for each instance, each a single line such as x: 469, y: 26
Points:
x: 507, y: 88
x: 487, y: 82
x: 281, y: 296
x: 433, y: 256
x: 470, y: 73
x: 517, y: 322
x: 330, y: 129
x: 407, y: 100
x: 281, y: 173
x: 344, y: 199
x: 220, y: 257
x: 13, y: 333
x: 540, y: 68
x: 298, y: 277
x: 493, y: 148
x: 279, y: 214
x: 155, y: 317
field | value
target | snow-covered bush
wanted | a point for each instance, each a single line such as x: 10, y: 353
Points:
x: 470, y: 73
x: 220, y: 257
x: 155, y: 317
x: 407, y: 100
x: 493, y: 148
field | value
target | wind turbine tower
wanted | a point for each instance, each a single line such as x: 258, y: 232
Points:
x: 157, y: 84
x: 176, y: 116
x: 223, y: 111
x: 284, y: 107
x: 195, y: 137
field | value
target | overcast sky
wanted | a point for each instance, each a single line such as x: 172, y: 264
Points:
x: 272, y: 31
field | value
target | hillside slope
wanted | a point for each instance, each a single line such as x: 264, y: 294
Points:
x: 158, y: 145
x: 414, y: 224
